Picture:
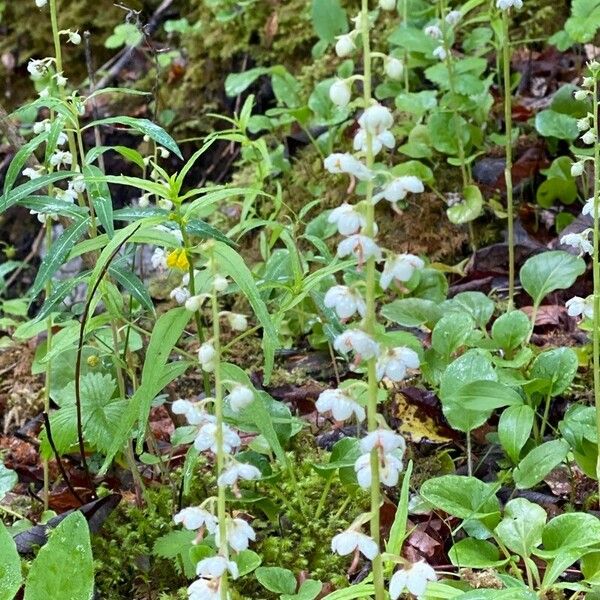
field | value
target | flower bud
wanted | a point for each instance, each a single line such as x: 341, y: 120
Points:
x: 339, y: 93
x: 345, y: 46
x: 237, y: 322
x: 577, y: 169
x: 387, y: 4
x: 193, y: 303
x: 581, y: 95
x: 394, y: 68
x: 589, y: 137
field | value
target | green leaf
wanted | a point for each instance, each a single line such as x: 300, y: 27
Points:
x: 133, y: 284
x: 398, y: 530
x: 412, y: 312
x: 451, y: 332
x: 309, y: 590
x: 206, y: 231
x: 8, y: 480
x: 10, y: 566
x: 475, y: 554
x: 101, y: 198
x: 510, y: 330
x: 30, y: 187
x: 232, y: 264
x: 584, y: 21
x: 63, y: 567
x: 556, y: 368
x: 514, y: 429
x: 152, y: 130
x: 570, y: 531
x: 276, y: 579
x: 476, y: 304
x: 549, y: 271
x: 51, y: 205
x: 539, y: 462
x: 473, y: 365
x: 177, y: 544
x: 550, y: 123
x: 20, y: 159
x: 521, y: 528
x: 58, y: 252
x: 236, y: 83
x: 461, y: 496
x: 469, y: 208
x: 247, y: 561
x: 329, y: 19
x: 445, y: 128
x: 128, y: 153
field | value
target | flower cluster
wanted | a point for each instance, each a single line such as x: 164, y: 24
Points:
x: 441, y: 31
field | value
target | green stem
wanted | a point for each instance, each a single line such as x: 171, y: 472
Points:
x: 545, y: 418
x: 370, y: 316
x: 596, y: 275
x: 323, y: 498
x: 469, y: 455
x: 509, y: 157
x: 48, y: 291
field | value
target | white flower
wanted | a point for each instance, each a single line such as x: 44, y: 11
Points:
x: 164, y: 204
x: 61, y: 157
x: 440, y: 53
x: 399, y: 188
x: 348, y: 541
x: 394, y: 363
x: 194, y: 413
x: 235, y: 471
x: 240, y: 397
x: 194, y: 517
x: 207, y: 439
x: 581, y: 94
x: 390, y: 467
x: 237, y: 321
x: 345, y: 301
x: 61, y: 80
x: 588, y: 207
x: 357, y: 341
x: 360, y: 246
x: 394, y: 68
x: 206, y: 356
x: 453, y: 17
x: 216, y: 566
x: 589, y: 137
x: 433, y: 31
x: 580, y: 306
x: 383, y: 439
x: 579, y: 241
x: 164, y: 153
x: 239, y: 535
x: 205, y: 589
x: 385, y: 138
x: 41, y: 3
x: 340, y: 93
x: 159, y: 259
x: 220, y: 283
x: 144, y: 201
x: 387, y: 4
x: 74, y: 37
x: 33, y: 173
x: 346, y: 163
x: 341, y: 406
x: 506, y: 4
x: 45, y: 93
x: 400, y: 268
x: 583, y: 124
x: 68, y: 195
x: 180, y: 295
x: 376, y: 119
x: 79, y: 184
x: 577, y: 168
x: 193, y: 303
x: 344, y: 46
x: 414, y: 579
x: 37, y: 68
x: 347, y: 219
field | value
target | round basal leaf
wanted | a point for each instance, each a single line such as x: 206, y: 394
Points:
x: 475, y: 554
x: 514, y: 429
x: 570, y: 531
x: 476, y: 304
x: 539, y: 462
x: 8, y: 480
x: 510, y: 330
x: 469, y: 208
x: 556, y: 368
x: 473, y: 365
x: 550, y: 271
x: 555, y: 189
x: 276, y: 579
x: 412, y: 312
x: 521, y: 528
x: 451, y: 333
x: 553, y: 124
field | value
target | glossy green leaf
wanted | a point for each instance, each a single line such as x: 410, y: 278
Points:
x: 469, y: 208
x: 521, y: 528
x: 30, y: 187
x: 510, y: 330
x: 412, y: 312
x: 539, y: 462
x: 20, y: 159
x: 514, y: 429
x: 100, y: 195
x: 475, y: 554
x: 10, y: 566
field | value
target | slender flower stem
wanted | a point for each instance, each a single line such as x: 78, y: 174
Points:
x: 221, y: 503
x: 48, y: 291
x: 370, y: 317
x: 596, y: 274
x: 509, y: 157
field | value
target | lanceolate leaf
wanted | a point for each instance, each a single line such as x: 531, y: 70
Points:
x: 204, y: 230
x: 133, y: 213
x: 101, y: 199
x: 59, y: 293
x: 30, y: 187
x: 133, y: 284
x: 49, y: 205
x: 157, y: 133
x: 20, y: 159
x: 232, y: 264
x: 58, y: 253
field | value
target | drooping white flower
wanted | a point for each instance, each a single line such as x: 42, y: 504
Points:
x: 216, y: 566
x: 33, y: 173
x: 239, y: 534
x: 207, y: 438
x: 41, y: 3
x: 506, y: 4
x: 79, y: 184
x: 345, y: 46
x: 385, y: 138
x: 346, y: 163
x: 74, y: 37
x: 581, y: 94
x: 205, y: 589
x: 453, y: 17
x: 159, y: 259
x: 68, y: 195
x: 194, y: 517
x: 394, y: 68
x: 193, y: 303
x: 220, y: 283
x: 61, y: 158
x: 345, y: 301
x: 180, y: 295
x: 394, y: 363
x: 340, y: 93
x: 577, y: 306
x: 164, y: 204
x: 399, y: 188
x: 237, y: 321
x: 387, y: 4
x: 384, y: 439
x: 348, y: 541
x: 235, y: 471
x: 376, y: 119
x: 37, y: 68
x: 400, y: 268
x: 360, y: 246
x: 206, y: 356
x: 357, y: 341
x: 588, y: 207
x: 61, y: 80
x: 193, y: 412
x: 414, y: 579
x: 240, y: 397
x: 144, y: 201
x: 433, y: 31
x: 347, y: 219
x: 340, y: 405
x: 589, y: 137
x: 164, y: 153
x: 390, y: 467
x: 440, y: 53
x: 579, y: 241
x: 577, y: 168
x: 583, y: 124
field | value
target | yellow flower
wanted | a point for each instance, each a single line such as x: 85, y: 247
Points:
x: 178, y: 260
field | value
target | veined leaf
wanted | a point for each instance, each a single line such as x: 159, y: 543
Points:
x: 30, y: 187
x: 128, y: 153
x: 133, y: 284
x: 50, y: 205
x: 59, y: 293
x: 101, y: 198
x: 204, y: 230
x: 10, y: 567
x: 20, y: 159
